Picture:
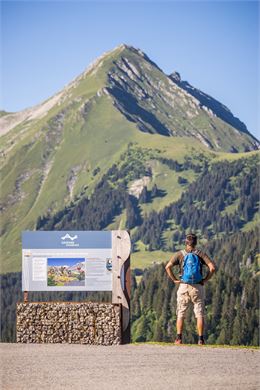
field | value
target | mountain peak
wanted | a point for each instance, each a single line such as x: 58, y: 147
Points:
x: 130, y: 48
x: 145, y: 95
x: 125, y: 46
x: 176, y: 77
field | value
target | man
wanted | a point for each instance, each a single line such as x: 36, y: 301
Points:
x: 191, y: 283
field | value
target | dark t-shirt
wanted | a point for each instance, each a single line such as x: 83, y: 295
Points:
x: 177, y: 259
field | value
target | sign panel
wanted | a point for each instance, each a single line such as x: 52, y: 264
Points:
x: 67, y: 261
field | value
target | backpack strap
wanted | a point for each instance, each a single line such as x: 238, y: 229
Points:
x: 197, y: 252
x: 184, y: 253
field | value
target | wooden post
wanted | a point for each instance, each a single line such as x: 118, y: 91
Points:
x: 121, y: 247
x: 126, y: 336
x: 25, y: 296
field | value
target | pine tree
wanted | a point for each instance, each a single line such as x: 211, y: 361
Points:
x: 154, y: 191
x: 144, y: 196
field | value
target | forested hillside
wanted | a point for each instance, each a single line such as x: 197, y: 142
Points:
x: 223, y: 199
x: 232, y: 303
x: 217, y: 200
x: 232, y: 300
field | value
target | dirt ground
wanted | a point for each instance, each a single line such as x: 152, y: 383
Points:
x: 144, y: 366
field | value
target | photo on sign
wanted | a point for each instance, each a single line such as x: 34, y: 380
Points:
x: 66, y: 271
x: 109, y: 264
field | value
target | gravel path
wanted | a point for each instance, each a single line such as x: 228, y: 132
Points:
x: 153, y: 367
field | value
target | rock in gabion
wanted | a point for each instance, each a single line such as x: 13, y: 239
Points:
x: 68, y: 322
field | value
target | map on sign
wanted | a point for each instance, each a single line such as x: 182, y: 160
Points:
x: 67, y: 261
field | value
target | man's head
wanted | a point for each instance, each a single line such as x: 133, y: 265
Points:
x: 191, y: 240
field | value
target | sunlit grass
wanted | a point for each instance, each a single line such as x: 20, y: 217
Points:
x: 169, y: 344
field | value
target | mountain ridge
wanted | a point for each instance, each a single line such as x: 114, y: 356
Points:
x: 208, y: 101
x: 126, y: 66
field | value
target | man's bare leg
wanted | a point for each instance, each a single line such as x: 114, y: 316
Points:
x: 179, y: 324
x: 200, y: 325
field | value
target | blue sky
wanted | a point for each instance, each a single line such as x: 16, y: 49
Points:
x: 214, y: 45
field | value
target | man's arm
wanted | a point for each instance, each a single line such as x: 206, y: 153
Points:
x: 212, y: 269
x: 211, y: 266
x: 173, y: 261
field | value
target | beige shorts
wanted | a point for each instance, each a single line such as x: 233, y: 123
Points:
x: 195, y: 294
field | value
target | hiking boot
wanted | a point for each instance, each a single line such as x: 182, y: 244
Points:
x: 178, y: 341
x: 201, y: 342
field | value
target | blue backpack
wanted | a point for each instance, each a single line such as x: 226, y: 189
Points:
x: 191, y: 268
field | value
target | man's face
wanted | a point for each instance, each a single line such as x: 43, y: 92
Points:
x: 191, y: 241
x: 189, y: 247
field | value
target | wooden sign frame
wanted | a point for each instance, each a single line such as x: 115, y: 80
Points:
x: 121, y: 279
x: 121, y: 249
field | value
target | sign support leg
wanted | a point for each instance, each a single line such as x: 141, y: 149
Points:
x: 25, y: 296
x: 121, y: 248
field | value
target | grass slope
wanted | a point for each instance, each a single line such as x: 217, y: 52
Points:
x: 96, y: 143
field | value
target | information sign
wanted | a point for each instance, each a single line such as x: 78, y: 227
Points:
x: 67, y: 261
